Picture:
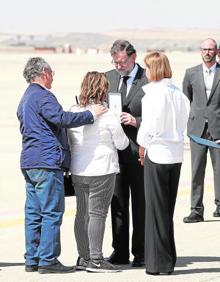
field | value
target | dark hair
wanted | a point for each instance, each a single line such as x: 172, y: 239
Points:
x: 122, y: 45
x: 93, y: 88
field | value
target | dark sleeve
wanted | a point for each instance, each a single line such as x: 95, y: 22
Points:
x: 138, y: 121
x: 187, y: 86
x: 52, y: 111
x: 144, y: 82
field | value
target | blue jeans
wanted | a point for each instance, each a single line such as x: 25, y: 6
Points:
x: 44, y: 210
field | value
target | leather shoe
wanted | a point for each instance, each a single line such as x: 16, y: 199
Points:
x: 158, y: 273
x: 152, y: 273
x: 138, y: 262
x: 193, y: 218
x: 116, y: 259
x: 31, y: 268
x: 55, y: 268
x: 216, y: 213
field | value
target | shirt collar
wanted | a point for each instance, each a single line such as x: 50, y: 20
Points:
x: 164, y: 81
x: 212, y: 69
x: 133, y: 73
x: 43, y: 86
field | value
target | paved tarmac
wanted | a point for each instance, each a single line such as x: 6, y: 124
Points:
x: 198, y: 245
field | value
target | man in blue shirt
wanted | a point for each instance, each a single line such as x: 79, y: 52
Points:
x: 45, y: 155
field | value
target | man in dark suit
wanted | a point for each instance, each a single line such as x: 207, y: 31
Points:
x: 128, y: 78
x: 218, y: 55
x: 201, y: 85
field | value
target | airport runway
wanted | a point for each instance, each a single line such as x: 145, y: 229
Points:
x: 198, y: 245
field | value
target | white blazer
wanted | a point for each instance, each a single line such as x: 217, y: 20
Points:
x: 165, y: 111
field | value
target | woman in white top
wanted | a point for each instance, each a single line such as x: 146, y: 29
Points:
x: 165, y: 112
x: 94, y: 164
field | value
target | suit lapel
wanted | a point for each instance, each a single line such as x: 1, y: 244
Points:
x: 115, y: 82
x: 201, y: 83
x: 215, y: 81
x: 136, y: 84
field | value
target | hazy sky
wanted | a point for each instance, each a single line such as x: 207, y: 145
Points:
x: 101, y: 15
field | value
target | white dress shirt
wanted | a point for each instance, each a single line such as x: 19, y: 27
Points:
x: 130, y: 80
x: 165, y: 111
x: 208, y: 74
x: 94, y: 147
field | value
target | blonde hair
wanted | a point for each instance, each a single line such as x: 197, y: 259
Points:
x: 158, y: 65
x: 93, y: 88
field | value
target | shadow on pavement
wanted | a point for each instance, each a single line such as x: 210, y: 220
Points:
x: 197, y: 270
x: 212, y: 220
x: 7, y: 264
x: 185, y: 261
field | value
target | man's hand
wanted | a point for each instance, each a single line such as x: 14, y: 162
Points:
x: 128, y: 119
x: 99, y: 109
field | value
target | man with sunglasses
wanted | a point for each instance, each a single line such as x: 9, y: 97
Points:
x: 128, y: 78
x: 201, y: 85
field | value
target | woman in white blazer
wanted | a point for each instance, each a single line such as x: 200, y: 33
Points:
x: 94, y: 164
x: 165, y: 112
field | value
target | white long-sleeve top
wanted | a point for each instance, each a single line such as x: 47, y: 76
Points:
x: 94, y: 147
x: 165, y: 111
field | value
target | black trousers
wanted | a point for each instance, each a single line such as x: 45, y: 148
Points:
x: 161, y: 184
x: 130, y: 181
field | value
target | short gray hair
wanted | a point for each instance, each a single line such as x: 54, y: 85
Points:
x: 122, y: 45
x: 34, y: 67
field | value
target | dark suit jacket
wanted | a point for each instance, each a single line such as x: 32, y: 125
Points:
x: 132, y: 106
x: 202, y: 109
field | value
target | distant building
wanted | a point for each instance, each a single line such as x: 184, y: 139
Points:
x: 45, y: 49
x: 79, y: 51
x: 92, y: 51
x: 156, y: 50
x: 67, y: 48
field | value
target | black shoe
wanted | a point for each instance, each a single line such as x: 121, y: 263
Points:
x: 101, y: 266
x: 152, y: 273
x: 216, y: 213
x: 81, y: 263
x: 193, y: 218
x: 138, y: 262
x: 158, y: 273
x: 55, y: 268
x: 115, y: 259
x: 31, y: 268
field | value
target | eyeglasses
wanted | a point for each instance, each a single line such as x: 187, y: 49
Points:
x: 51, y: 72
x: 48, y: 71
x: 122, y: 63
x: 208, y: 49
